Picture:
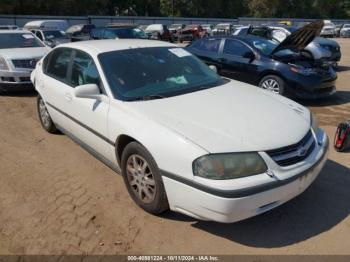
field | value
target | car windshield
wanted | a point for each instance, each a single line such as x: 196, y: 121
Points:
x: 154, y: 73
x: 264, y: 46
x: 129, y: 33
x: 54, y: 34
x: 346, y: 26
x: 18, y: 40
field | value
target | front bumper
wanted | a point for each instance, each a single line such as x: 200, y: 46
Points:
x: 210, y: 204
x: 15, y: 80
x: 312, y: 87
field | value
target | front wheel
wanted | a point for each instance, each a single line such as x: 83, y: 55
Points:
x: 273, y: 84
x: 44, y: 116
x: 143, y: 180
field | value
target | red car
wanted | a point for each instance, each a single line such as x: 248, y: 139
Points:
x: 191, y: 33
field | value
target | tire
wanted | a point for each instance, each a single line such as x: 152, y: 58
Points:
x: 145, y: 187
x: 45, y: 118
x: 273, y: 84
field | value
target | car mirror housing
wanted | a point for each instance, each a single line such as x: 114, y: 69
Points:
x: 214, y: 68
x: 90, y: 91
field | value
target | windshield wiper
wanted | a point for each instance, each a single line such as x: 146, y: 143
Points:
x: 148, y: 97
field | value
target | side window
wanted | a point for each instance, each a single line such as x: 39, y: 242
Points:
x: 58, y: 63
x: 233, y: 47
x: 208, y: 45
x: 39, y: 35
x: 109, y: 34
x: 97, y: 33
x: 84, y: 70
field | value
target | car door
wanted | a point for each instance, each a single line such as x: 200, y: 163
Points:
x: 90, y: 115
x: 207, y: 49
x: 54, y: 87
x: 237, y: 61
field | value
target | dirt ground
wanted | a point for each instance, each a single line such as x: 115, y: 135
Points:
x: 55, y: 198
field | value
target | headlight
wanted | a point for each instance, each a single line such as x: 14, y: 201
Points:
x: 229, y: 166
x: 3, y: 64
x: 303, y: 70
x: 314, y: 122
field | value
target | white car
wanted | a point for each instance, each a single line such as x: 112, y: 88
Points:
x: 19, y: 52
x: 329, y: 29
x: 345, y: 31
x: 183, y: 137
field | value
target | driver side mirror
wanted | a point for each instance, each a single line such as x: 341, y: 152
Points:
x: 214, y: 68
x: 90, y: 91
x: 250, y: 56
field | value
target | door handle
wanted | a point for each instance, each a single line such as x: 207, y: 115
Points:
x: 68, y: 97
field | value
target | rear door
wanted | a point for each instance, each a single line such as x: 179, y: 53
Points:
x: 54, y: 86
x: 236, y: 63
x: 208, y: 49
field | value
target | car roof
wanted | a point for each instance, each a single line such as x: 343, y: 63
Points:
x: 15, y: 31
x: 96, y: 47
x: 238, y: 37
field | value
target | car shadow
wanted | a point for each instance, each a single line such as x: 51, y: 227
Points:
x: 342, y: 68
x: 26, y: 93
x: 324, y: 205
x: 339, y: 98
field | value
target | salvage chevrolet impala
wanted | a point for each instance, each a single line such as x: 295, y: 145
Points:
x: 182, y: 137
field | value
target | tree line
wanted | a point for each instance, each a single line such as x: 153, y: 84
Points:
x: 336, y: 9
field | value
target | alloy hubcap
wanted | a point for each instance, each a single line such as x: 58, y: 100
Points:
x: 141, y: 179
x: 271, y: 85
x: 44, y: 114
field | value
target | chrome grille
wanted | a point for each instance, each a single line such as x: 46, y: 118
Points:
x: 294, y: 154
x: 25, y: 63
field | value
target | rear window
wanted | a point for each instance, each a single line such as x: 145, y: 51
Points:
x: 19, y: 40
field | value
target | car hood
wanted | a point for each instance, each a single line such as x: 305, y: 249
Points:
x: 235, y: 117
x: 298, y: 40
x: 24, y: 53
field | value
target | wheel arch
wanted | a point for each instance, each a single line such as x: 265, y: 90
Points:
x: 122, y: 141
x: 270, y: 72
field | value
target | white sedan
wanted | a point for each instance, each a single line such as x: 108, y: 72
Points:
x: 182, y: 137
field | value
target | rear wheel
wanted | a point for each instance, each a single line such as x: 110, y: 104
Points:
x: 143, y: 180
x: 273, y: 84
x: 44, y: 116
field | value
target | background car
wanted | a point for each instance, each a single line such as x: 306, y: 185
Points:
x: 338, y: 27
x: 208, y: 28
x: 159, y: 32
x: 51, y: 38
x: 329, y: 29
x: 20, y: 51
x: 79, y: 32
x: 345, y: 31
x: 174, y: 28
x: 225, y: 158
x: 319, y: 49
x: 191, y: 32
x: 118, y: 32
x: 61, y: 25
x: 8, y: 27
x: 267, y: 64
x: 223, y: 29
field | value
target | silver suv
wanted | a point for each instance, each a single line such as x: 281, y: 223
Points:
x: 20, y: 50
